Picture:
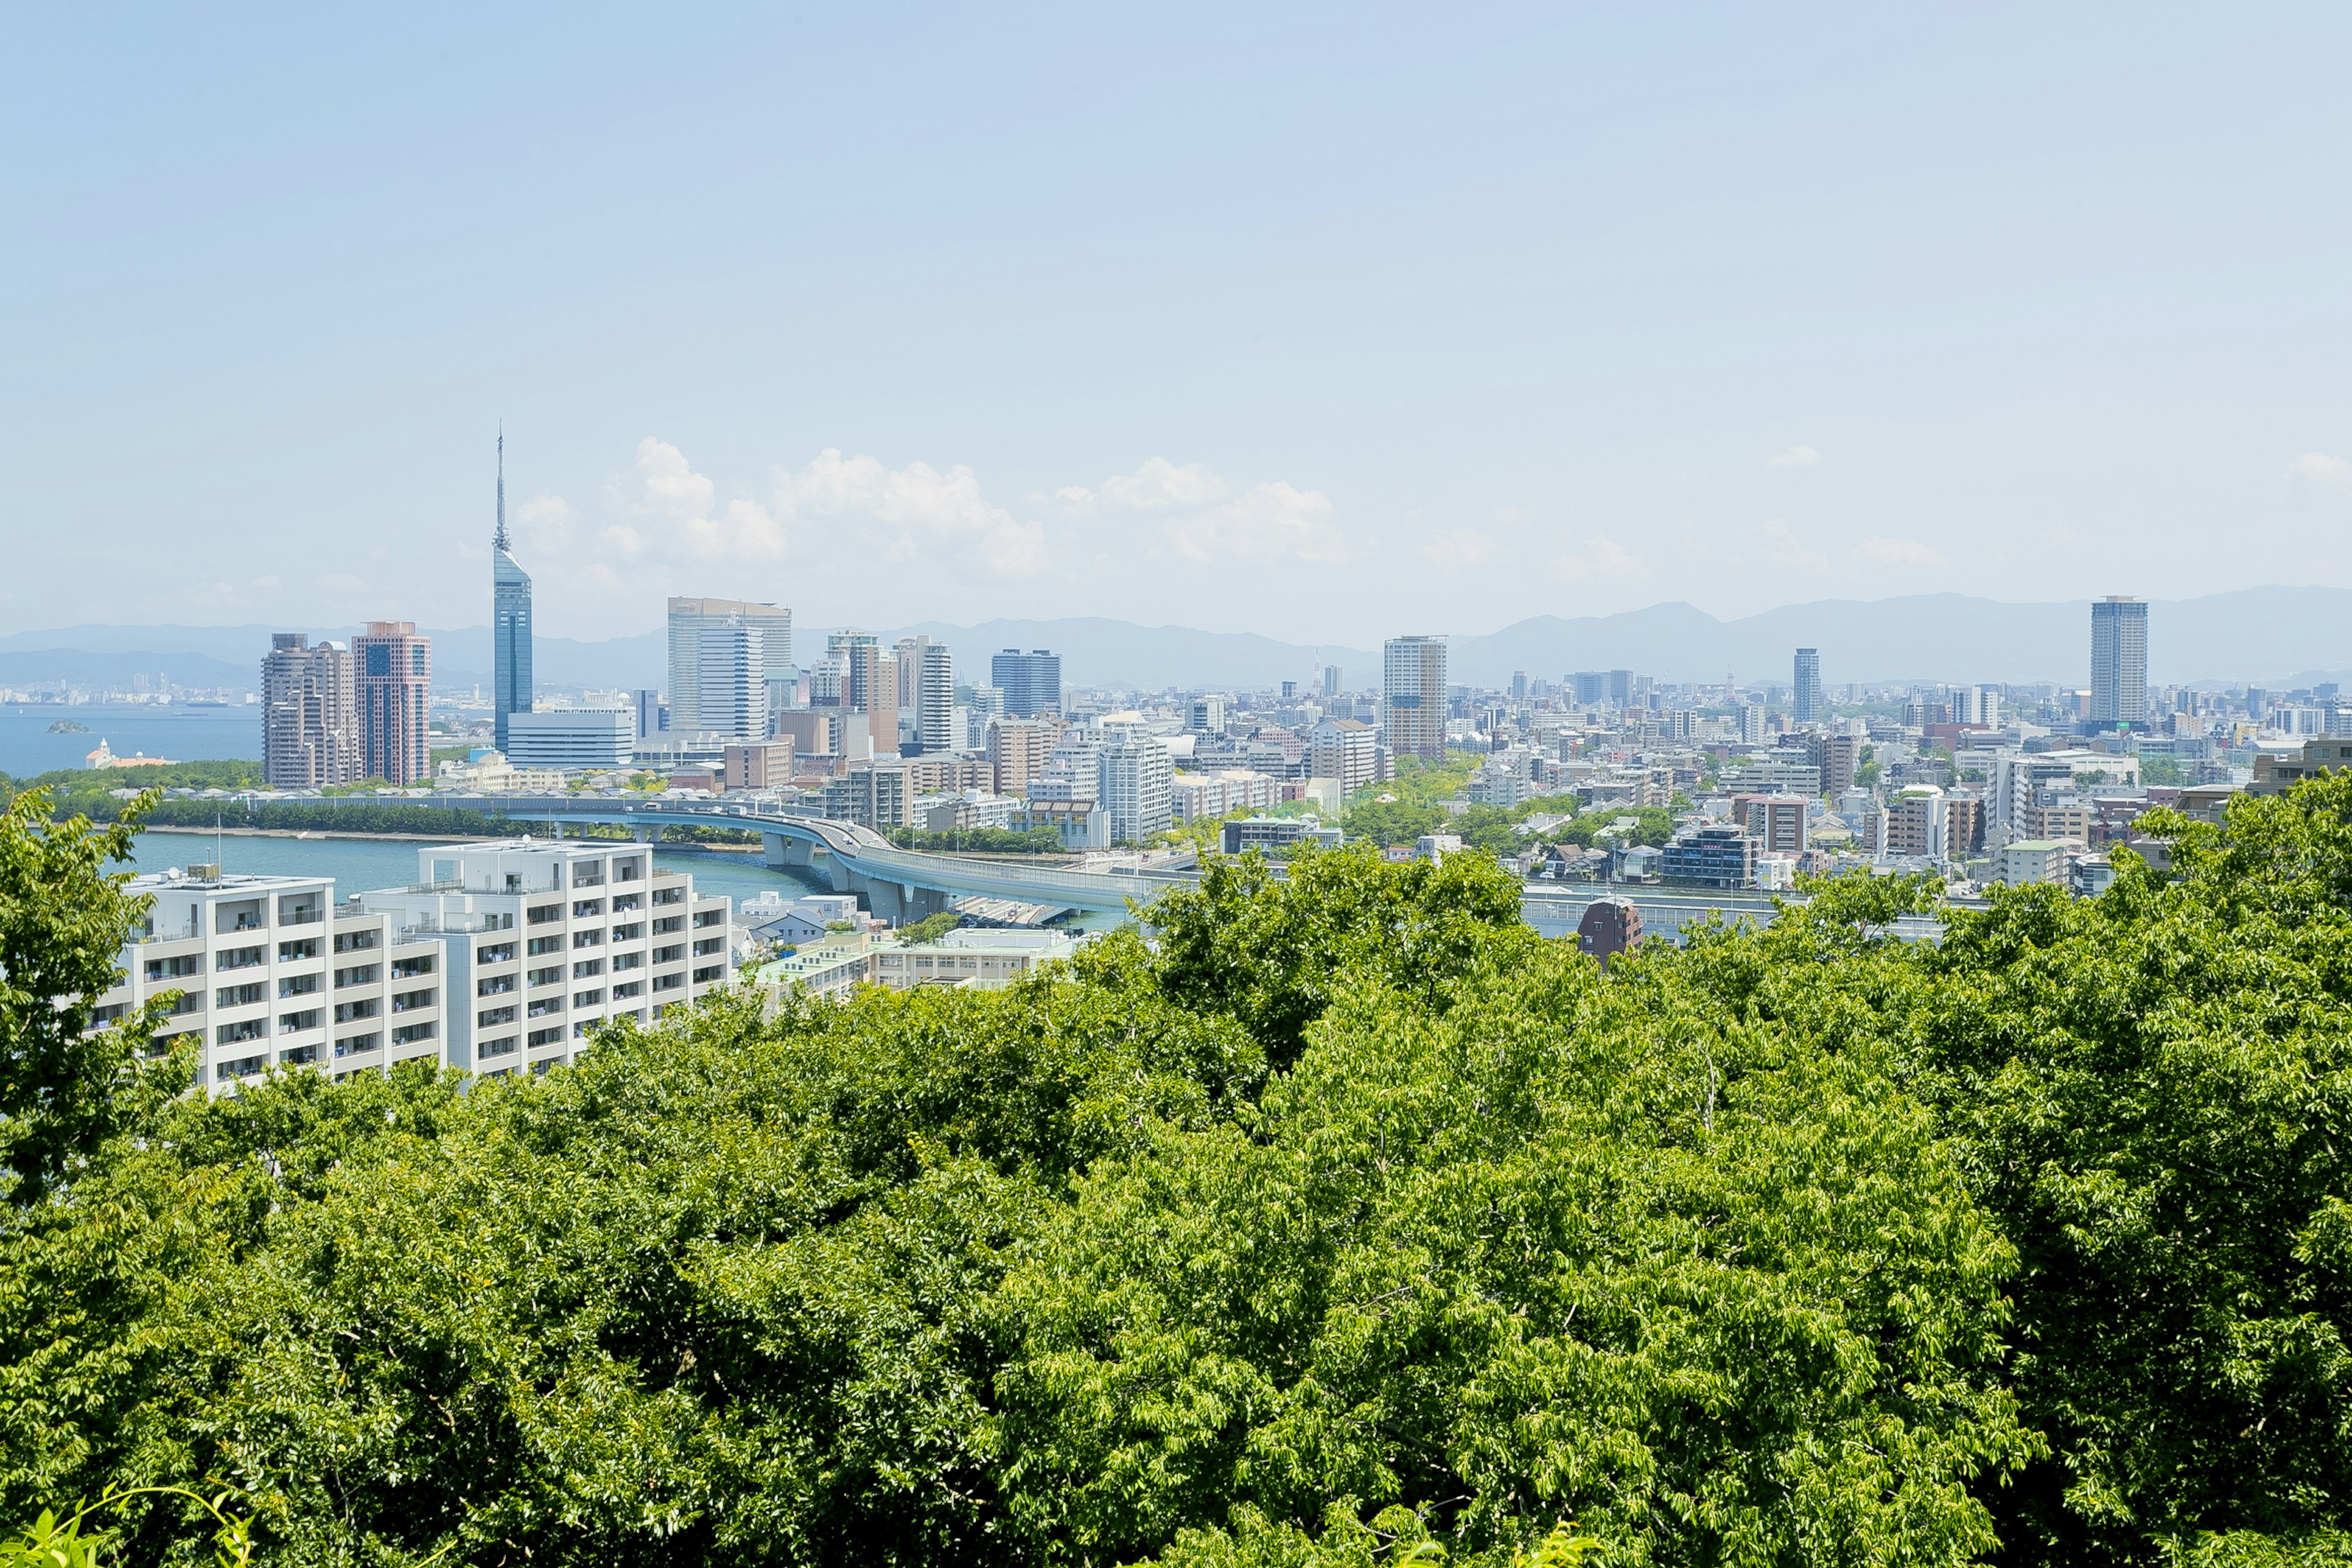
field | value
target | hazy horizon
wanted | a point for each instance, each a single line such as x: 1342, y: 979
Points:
x: 1323, y: 323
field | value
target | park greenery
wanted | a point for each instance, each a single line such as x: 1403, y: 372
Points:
x: 1344, y: 1221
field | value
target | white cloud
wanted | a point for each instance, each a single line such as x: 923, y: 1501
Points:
x: 1601, y: 558
x: 665, y: 509
x: 1267, y: 523
x: 1459, y: 550
x: 1794, y: 457
x: 2319, y: 468
x: 1201, y: 520
x: 913, y: 513
x: 1158, y: 485
x: 1781, y: 546
x: 2060, y: 535
x: 1898, y: 552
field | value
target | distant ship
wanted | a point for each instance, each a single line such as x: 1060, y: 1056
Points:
x: 204, y: 702
x: 68, y: 727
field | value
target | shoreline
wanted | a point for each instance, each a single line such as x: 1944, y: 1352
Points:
x: 428, y: 838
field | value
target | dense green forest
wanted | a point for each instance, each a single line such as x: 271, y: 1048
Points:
x: 1346, y: 1221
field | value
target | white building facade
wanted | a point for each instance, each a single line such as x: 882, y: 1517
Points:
x: 271, y: 973
x: 544, y: 940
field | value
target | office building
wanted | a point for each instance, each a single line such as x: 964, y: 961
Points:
x: 1330, y: 681
x: 1752, y: 724
x: 2119, y: 661
x: 1206, y: 714
x: 1412, y: 696
x: 926, y: 689
x: 651, y: 712
x: 1715, y: 857
x: 272, y: 972
x: 510, y: 679
x: 1031, y: 682
x: 688, y: 619
x: 1133, y: 774
x: 1810, y: 708
x: 310, y: 715
x: 394, y: 680
x: 544, y: 940
x: 731, y: 687
x: 571, y: 739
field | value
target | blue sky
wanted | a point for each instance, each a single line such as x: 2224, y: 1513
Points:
x: 1325, y: 322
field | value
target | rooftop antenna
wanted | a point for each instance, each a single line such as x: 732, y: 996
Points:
x: 499, y: 540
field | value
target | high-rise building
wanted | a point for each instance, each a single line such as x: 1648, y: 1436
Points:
x: 731, y: 687
x: 1810, y: 710
x: 2120, y: 660
x: 869, y: 683
x: 1206, y: 715
x: 1031, y: 682
x: 1330, y: 681
x: 1412, y: 696
x: 310, y: 715
x: 1752, y: 724
x: 1837, y: 757
x: 394, y: 683
x: 1134, y: 783
x: 1016, y: 750
x: 1518, y: 686
x: 688, y: 619
x: 510, y: 681
x: 927, y: 687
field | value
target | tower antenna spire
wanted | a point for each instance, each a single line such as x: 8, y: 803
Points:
x: 499, y: 540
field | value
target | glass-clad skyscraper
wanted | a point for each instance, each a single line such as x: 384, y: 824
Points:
x: 509, y: 621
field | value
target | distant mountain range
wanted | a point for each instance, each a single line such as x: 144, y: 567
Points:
x: 2278, y: 637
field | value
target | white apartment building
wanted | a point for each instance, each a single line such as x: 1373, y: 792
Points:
x: 1134, y: 774
x: 271, y: 973
x: 1346, y: 750
x: 769, y: 656
x: 543, y: 939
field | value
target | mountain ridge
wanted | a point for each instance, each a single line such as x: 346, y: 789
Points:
x: 2271, y: 634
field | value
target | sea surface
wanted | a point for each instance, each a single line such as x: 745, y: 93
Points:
x: 181, y: 734
x: 357, y: 864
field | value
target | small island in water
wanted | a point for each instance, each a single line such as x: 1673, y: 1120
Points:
x: 69, y: 727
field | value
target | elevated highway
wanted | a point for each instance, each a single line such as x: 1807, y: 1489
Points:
x: 897, y: 884
x: 902, y: 885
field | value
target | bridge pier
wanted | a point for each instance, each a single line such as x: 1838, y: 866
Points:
x: 646, y: 835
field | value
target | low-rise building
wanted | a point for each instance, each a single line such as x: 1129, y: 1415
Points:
x: 2034, y: 860
x: 982, y: 959
x: 2276, y: 773
x: 1266, y: 832
x: 1720, y: 857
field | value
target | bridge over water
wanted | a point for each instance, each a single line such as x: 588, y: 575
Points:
x: 903, y: 885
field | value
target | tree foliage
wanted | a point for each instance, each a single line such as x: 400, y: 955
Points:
x: 1343, y: 1222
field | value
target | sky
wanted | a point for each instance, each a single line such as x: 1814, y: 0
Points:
x: 1325, y: 322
